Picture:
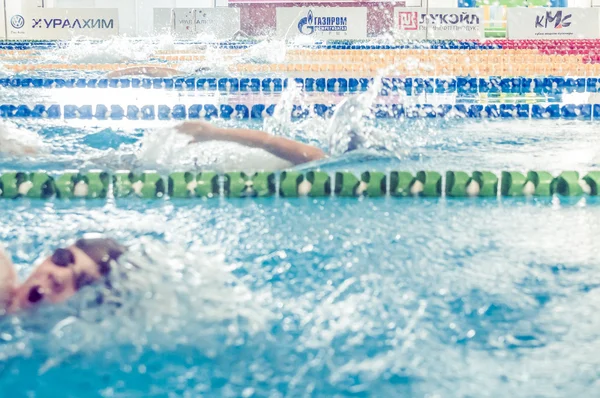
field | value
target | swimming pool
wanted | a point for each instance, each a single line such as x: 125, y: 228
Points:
x: 317, y: 296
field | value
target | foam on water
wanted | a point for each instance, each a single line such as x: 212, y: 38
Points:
x: 167, y: 150
x: 152, y: 304
x: 268, y: 51
x: 325, y: 298
x: 307, y: 297
x: 114, y: 50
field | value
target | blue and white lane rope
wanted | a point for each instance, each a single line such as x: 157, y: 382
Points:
x: 404, y: 86
x: 260, y: 111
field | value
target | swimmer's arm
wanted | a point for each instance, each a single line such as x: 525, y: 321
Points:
x: 8, y: 280
x: 13, y: 147
x: 151, y: 71
x: 290, y: 150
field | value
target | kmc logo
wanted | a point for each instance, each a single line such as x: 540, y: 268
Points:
x: 553, y: 20
x: 17, y: 21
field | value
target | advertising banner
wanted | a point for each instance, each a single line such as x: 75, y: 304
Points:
x: 322, y: 23
x: 439, y: 23
x: 163, y: 20
x: 219, y: 23
x: 553, y: 23
x: 15, y: 20
x: 64, y: 23
x: 2, y: 22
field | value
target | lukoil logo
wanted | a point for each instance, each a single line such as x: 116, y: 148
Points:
x: 58, y: 23
x: 17, y: 21
x: 309, y: 24
x: 408, y: 20
x: 411, y: 20
x: 559, y: 21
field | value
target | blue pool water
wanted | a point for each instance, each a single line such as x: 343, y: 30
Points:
x: 327, y: 297
x: 307, y: 297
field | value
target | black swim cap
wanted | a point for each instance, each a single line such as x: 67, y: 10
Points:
x: 355, y: 141
x: 102, y: 250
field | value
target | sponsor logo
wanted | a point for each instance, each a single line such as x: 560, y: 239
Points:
x: 310, y: 24
x: 188, y: 23
x: 412, y: 20
x: 187, y: 20
x: 17, y: 21
x: 554, y: 20
x: 202, y: 18
x: 58, y: 23
x: 408, y: 20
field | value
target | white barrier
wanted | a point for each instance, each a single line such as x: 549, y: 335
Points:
x: 64, y: 23
x: 439, y: 23
x: 328, y: 23
x: 553, y: 23
x: 218, y: 23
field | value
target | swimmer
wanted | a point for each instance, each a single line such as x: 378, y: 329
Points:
x: 60, y: 276
x: 151, y: 71
x: 288, y: 152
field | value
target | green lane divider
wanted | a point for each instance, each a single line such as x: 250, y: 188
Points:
x: 146, y: 185
x: 239, y: 185
x: 541, y: 182
x: 84, y: 185
x: 592, y: 179
x: 513, y: 183
x: 401, y: 183
x: 431, y: 182
x: 318, y: 184
x: 567, y: 184
x: 376, y: 183
x: 486, y: 181
x: 291, y: 184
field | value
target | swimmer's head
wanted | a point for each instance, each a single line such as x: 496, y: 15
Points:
x: 356, y: 141
x: 66, y: 271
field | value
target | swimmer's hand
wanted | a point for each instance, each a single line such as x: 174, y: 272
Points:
x: 200, y: 131
x: 290, y: 150
x: 8, y: 280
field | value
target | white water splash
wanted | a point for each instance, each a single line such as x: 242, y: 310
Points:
x: 5, y: 72
x: 173, y: 295
x: 269, y: 51
x: 170, y: 150
x: 114, y: 50
x: 281, y: 123
x: 164, y: 147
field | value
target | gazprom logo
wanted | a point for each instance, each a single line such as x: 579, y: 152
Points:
x: 309, y: 24
x: 17, y: 21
